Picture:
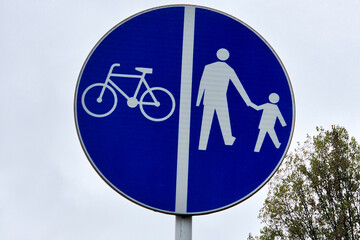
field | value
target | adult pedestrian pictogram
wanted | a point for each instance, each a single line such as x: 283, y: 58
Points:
x: 184, y: 110
x: 214, y: 84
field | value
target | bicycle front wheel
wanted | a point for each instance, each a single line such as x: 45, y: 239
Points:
x: 157, y: 104
x: 96, y: 105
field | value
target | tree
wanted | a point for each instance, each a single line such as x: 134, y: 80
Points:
x: 315, y: 194
x: 251, y: 237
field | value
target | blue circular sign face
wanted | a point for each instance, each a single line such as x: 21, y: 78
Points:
x: 184, y: 110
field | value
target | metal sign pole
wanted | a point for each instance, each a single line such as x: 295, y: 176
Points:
x: 183, y: 228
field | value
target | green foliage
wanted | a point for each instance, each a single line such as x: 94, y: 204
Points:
x: 251, y: 237
x: 315, y: 194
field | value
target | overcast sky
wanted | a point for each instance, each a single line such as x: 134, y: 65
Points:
x: 48, y: 188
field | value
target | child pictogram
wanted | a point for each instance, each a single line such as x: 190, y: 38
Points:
x: 268, y: 119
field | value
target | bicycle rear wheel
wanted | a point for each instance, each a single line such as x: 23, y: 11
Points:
x: 157, y: 104
x: 96, y: 106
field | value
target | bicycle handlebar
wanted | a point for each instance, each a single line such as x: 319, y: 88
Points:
x: 114, y: 65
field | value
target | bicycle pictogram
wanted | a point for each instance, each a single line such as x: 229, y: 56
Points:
x: 149, y: 102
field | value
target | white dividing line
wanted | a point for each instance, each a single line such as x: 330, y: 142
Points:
x: 185, y: 110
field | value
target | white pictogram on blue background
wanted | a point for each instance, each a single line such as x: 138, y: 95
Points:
x: 132, y: 101
x: 184, y: 110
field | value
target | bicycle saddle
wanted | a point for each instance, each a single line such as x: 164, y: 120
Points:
x: 144, y: 70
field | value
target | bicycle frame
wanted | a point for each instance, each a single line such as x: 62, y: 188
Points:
x: 132, y: 101
x: 141, y: 81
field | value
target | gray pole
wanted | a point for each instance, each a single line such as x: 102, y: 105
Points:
x: 183, y: 228
x: 183, y: 223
